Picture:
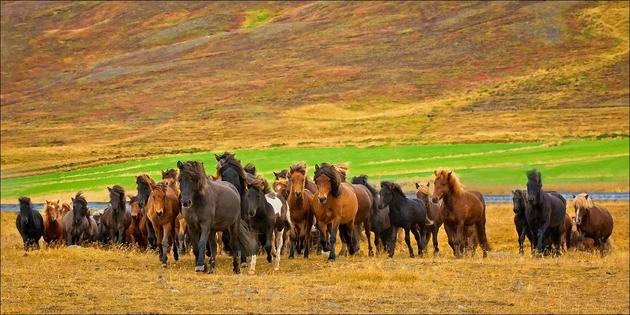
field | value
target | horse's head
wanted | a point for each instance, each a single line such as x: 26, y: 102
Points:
x: 255, y: 195
x: 79, y: 206
x: 170, y: 174
x: 157, y: 199
x: 281, y: 187
x: 388, y: 189
x: 51, y: 210
x: 297, y: 179
x: 136, y: 212
x: 144, y: 184
x: 281, y: 174
x: 26, y: 208
x: 117, y: 198
x: 534, y: 187
x: 192, y: 181
x: 250, y: 169
x: 441, y: 184
x: 65, y: 208
x: 328, y: 180
x: 519, y: 201
x: 582, y: 203
x: 422, y: 190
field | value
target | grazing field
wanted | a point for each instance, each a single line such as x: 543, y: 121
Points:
x: 80, y: 280
x: 492, y: 168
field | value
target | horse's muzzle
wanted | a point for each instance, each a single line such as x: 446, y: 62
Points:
x: 322, y: 200
x: 298, y: 194
x: 186, y: 204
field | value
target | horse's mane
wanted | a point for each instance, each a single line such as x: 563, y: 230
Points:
x: 79, y: 197
x: 118, y: 190
x: 298, y: 167
x: 281, y: 174
x: 25, y: 199
x: 452, y: 180
x: 232, y: 162
x: 161, y: 186
x: 393, y: 187
x: 133, y: 199
x: 342, y: 169
x: 145, y: 179
x: 363, y: 180
x: 193, y: 170
x: 333, y: 174
x: 259, y: 183
x: 250, y: 169
x: 170, y: 173
x: 534, y: 175
x: 582, y: 201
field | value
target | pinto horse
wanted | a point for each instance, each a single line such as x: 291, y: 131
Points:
x: 163, y: 207
x: 593, y: 221
x: 115, y: 219
x: 210, y: 207
x: 53, y: 229
x: 336, y: 204
x: 144, y: 185
x: 460, y: 209
x: 545, y: 214
x: 433, y: 212
x: 137, y: 231
x: 29, y: 223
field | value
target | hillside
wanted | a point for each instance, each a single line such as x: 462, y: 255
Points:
x: 88, y: 83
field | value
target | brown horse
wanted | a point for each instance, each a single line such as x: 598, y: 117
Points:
x: 65, y: 208
x: 460, y: 208
x: 53, y: 228
x: 137, y: 231
x: 366, y: 201
x: 336, y: 204
x: 592, y: 221
x: 300, y: 209
x: 163, y: 207
x: 433, y: 212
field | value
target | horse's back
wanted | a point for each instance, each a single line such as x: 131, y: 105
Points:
x: 349, y: 201
x: 558, y: 208
x: 364, y: 202
x: 227, y: 204
x: 604, y: 221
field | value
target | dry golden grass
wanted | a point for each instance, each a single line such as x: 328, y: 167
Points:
x: 86, y: 280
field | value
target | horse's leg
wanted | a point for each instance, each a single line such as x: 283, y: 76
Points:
x: 167, y: 228
x: 279, y: 240
x: 175, y: 242
x: 151, y: 234
x: 458, y: 239
x: 408, y: 242
x: 268, y: 241
x: 481, y: 235
x: 212, y: 238
x: 377, y: 243
x: 293, y: 236
x: 367, y: 227
x: 307, y: 237
x: 392, y: 241
x: 333, y: 240
x: 201, y: 248
x: 436, y: 248
x: 418, y: 236
x: 162, y: 254
x: 541, y: 236
x: 233, y: 230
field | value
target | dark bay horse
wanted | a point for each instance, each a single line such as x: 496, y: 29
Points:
x: 593, y: 221
x: 209, y: 207
x: 137, y: 231
x: 460, y: 209
x: 379, y: 218
x: 545, y: 214
x: 163, y: 207
x: 519, y: 202
x: 29, y: 223
x: 144, y: 185
x: 336, y: 204
x: 410, y: 215
x: 263, y: 221
x: 366, y: 204
x: 53, y: 228
x: 423, y: 193
x: 78, y: 225
x: 116, y: 219
x: 301, y: 212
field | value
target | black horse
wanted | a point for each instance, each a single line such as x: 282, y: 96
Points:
x: 29, y: 223
x: 115, y: 220
x: 263, y: 221
x: 545, y: 214
x: 210, y: 207
x: 519, y: 201
x: 411, y: 215
x: 144, y: 185
x: 380, y: 224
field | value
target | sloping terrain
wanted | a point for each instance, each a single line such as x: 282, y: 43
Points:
x: 88, y: 83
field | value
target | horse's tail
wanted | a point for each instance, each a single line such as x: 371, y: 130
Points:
x: 247, y: 242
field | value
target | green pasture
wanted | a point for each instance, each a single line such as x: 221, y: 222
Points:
x: 492, y: 167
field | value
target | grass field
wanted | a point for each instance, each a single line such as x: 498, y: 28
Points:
x: 86, y: 280
x: 493, y: 168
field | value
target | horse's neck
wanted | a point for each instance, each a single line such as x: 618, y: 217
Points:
x: 397, y: 202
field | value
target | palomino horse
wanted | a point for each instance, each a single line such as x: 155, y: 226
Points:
x: 144, y: 185
x: 209, y: 207
x: 115, y: 219
x: 379, y: 219
x: 53, y: 229
x: 336, y: 204
x: 137, y: 231
x: 592, y: 221
x: 433, y: 212
x: 300, y: 209
x: 545, y: 214
x: 78, y: 226
x: 29, y: 223
x: 163, y: 207
x: 460, y: 208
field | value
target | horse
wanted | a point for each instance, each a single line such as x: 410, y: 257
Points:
x: 433, y: 212
x: 578, y: 241
x: 366, y: 203
x: 301, y: 212
x: 78, y: 225
x: 380, y: 224
x: 65, y: 208
x: 459, y: 209
x: 336, y: 204
x: 137, y: 231
x: 281, y: 187
x: 53, y: 229
x: 519, y: 202
x: 410, y: 215
x: 593, y: 221
x: 163, y: 207
x: 183, y: 236
x: 209, y: 207
x: 144, y: 183
x: 545, y: 214
x: 29, y: 223
x: 263, y: 222
x: 115, y: 219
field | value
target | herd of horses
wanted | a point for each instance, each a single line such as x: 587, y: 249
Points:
x: 236, y: 211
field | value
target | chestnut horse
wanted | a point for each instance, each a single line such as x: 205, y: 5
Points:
x: 433, y: 212
x: 144, y: 186
x: 137, y: 231
x: 460, y: 208
x: 592, y: 221
x: 163, y: 207
x: 301, y: 212
x: 53, y: 229
x: 336, y: 204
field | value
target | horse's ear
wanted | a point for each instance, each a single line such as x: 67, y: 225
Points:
x: 110, y: 190
x: 450, y: 173
x: 47, y: 201
x: 71, y: 198
x: 316, y: 167
x: 538, y: 177
x: 276, y: 175
x: 573, y: 196
x: 417, y: 186
x: 180, y: 165
x: 585, y: 196
x: 58, y: 201
x: 217, y: 157
x: 435, y: 172
x: 163, y: 173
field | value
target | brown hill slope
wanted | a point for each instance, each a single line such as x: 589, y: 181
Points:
x: 87, y: 83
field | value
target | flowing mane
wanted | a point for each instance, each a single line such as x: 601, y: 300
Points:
x: 228, y: 160
x: 333, y: 174
x: 144, y: 179
x: 583, y: 201
x: 250, y: 169
x: 298, y: 167
x: 170, y: 173
x: 79, y: 197
x: 394, y: 188
x: 259, y: 183
x: 193, y: 171
x: 533, y: 175
x: 117, y: 192
x: 342, y: 168
x: 452, y: 180
x: 363, y: 180
x: 281, y: 174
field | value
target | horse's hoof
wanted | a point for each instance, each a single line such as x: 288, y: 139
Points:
x: 243, y: 265
x: 163, y: 265
x: 290, y: 257
x: 269, y: 259
x: 210, y: 270
x: 412, y: 255
x: 276, y: 268
x: 251, y: 272
x: 371, y: 253
x: 200, y: 268
x: 331, y: 259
